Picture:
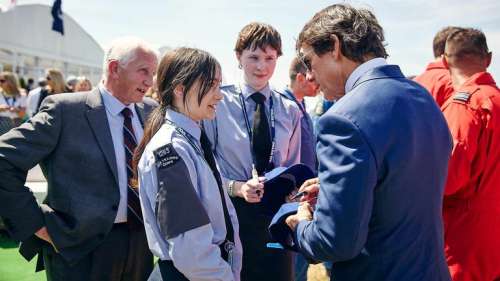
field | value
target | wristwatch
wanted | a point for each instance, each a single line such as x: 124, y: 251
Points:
x: 230, y: 188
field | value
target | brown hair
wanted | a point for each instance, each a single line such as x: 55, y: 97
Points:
x: 358, y: 31
x: 258, y: 35
x: 466, y: 42
x: 439, y: 40
x: 11, y: 85
x: 182, y: 66
x: 295, y: 68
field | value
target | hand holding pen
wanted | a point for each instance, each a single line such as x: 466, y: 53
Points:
x: 252, y: 190
x: 308, y: 191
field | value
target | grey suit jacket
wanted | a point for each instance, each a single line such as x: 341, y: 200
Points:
x: 71, y: 140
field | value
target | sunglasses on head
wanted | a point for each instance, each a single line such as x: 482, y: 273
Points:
x: 306, y: 61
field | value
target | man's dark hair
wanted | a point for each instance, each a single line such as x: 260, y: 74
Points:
x: 466, y: 42
x: 358, y: 31
x: 440, y: 40
x: 295, y: 68
x: 258, y: 35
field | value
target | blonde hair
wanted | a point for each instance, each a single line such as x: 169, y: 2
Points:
x: 80, y: 81
x: 59, y: 86
x: 11, y: 84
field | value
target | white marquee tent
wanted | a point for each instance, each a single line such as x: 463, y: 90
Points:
x: 28, y: 45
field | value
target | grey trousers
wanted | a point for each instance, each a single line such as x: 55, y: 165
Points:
x: 123, y: 256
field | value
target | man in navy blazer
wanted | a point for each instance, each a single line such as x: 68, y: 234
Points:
x: 383, y: 151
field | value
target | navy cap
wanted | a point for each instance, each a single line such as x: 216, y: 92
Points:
x: 280, y: 182
x: 279, y: 230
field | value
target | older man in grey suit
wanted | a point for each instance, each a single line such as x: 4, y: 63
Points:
x: 88, y: 228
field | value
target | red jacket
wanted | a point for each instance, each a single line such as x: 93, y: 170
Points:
x: 471, y: 207
x: 436, y: 79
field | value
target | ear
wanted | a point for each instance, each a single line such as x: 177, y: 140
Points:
x: 488, y: 59
x: 238, y: 56
x: 179, y: 91
x: 300, y: 78
x: 336, y: 52
x: 445, y: 62
x: 113, y: 68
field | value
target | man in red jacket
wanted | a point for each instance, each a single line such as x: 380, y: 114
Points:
x: 436, y: 78
x: 472, y: 196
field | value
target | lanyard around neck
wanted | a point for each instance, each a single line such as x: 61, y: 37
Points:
x: 249, y: 128
x: 187, y: 136
x: 10, y: 101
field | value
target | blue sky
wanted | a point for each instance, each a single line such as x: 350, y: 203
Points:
x: 213, y: 25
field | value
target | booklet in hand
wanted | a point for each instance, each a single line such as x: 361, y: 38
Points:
x: 280, y: 182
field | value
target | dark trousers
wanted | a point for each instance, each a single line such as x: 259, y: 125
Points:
x: 123, y: 255
x: 259, y: 262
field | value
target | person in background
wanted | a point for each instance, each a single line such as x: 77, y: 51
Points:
x: 316, y: 107
x: 256, y: 129
x: 30, y: 85
x: 299, y: 88
x: 83, y: 84
x: 89, y: 227
x: 189, y: 219
x: 55, y: 85
x: 375, y: 210
x: 71, y: 83
x: 12, y: 102
x: 436, y: 78
x: 471, y: 203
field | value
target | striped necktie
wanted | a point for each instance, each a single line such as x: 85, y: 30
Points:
x: 134, y: 214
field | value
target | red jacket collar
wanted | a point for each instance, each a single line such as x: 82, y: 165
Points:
x: 438, y: 64
x: 480, y: 78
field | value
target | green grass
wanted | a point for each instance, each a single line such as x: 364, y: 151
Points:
x: 13, y: 267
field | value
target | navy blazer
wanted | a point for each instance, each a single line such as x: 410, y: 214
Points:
x: 383, y: 154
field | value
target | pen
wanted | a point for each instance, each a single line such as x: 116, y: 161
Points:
x: 300, y: 194
x: 255, y: 176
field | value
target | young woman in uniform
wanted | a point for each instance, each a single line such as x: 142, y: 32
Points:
x: 190, y: 222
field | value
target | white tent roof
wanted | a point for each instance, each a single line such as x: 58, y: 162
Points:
x: 27, y: 29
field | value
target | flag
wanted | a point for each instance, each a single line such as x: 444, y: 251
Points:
x: 11, y: 4
x: 57, y: 14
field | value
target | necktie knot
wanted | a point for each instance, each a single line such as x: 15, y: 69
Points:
x: 126, y: 112
x: 258, y: 98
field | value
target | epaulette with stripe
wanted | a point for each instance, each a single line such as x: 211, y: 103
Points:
x: 461, y: 96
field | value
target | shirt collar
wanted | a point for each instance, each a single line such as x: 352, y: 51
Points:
x: 184, y: 122
x: 480, y: 78
x: 437, y: 64
x: 247, y: 91
x: 112, y: 104
x: 361, y: 70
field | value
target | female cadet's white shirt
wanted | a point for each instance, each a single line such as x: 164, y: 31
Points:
x: 178, y: 227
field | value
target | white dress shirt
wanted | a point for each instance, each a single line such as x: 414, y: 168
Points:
x: 115, y: 121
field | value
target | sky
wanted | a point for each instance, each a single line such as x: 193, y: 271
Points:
x: 214, y: 25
